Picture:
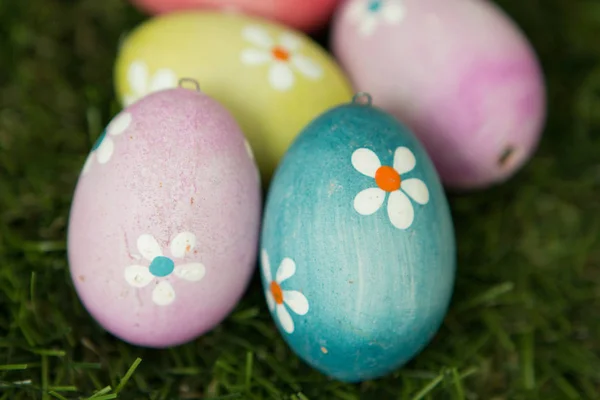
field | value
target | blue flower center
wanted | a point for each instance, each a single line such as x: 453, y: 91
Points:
x: 99, y: 141
x: 161, y: 266
x: 375, y: 5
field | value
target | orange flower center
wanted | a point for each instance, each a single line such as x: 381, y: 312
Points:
x: 280, y: 53
x: 388, y: 179
x: 276, y: 292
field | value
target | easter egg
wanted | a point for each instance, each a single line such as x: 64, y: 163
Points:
x: 164, y: 225
x: 272, y: 79
x: 306, y: 15
x: 357, y: 245
x: 459, y: 73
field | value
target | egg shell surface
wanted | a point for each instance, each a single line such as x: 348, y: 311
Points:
x: 357, y: 245
x: 164, y: 224
x: 305, y: 15
x: 272, y: 79
x: 460, y: 73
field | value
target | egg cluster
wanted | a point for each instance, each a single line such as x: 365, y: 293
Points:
x: 226, y: 100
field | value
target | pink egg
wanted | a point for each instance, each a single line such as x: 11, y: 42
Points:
x: 460, y: 73
x: 305, y: 15
x: 165, y: 219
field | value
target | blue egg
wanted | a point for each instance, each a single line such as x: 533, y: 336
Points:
x: 358, y: 253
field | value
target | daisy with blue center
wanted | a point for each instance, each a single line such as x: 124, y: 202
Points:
x: 367, y: 14
x: 104, y: 147
x: 162, y: 267
x: 375, y: 5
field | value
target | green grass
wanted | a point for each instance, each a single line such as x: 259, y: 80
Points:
x: 525, y: 319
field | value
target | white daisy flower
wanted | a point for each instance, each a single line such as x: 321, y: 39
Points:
x: 389, y: 180
x: 277, y: 299
x: 142, y: 84
x: 104, y: 147
x: 161, y: 267
x: 282, y: 56
x: 367, y: 14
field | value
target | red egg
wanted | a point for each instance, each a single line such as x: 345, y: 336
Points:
x: 305, y: 15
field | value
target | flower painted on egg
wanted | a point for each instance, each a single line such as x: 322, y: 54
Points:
x: 162, y: 267
x: 367, y: 14
x: 389, y: 180
x: 104, y: 147
x: 252, y: 157
x: 249, y: 150
x: 142, y: 84
x: 282, y: 56
x: 277, y: 298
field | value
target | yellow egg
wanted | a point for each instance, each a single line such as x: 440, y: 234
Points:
x: 274, y: 80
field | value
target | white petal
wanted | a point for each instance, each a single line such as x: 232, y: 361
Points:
x: 183, y: 244
x: 192, y: 272
x: 404, y: 160
x: 356, y: 10
x: 148, y: 247
x: 281, y: 76
x: 307, y: 67
x: 137, y: 75
x: 366, y: 162
x: 105, y: 151
x: 416, y: 189
x: 138, y: 276
x: 369, y: 200
x: 257, y: 36
x: 286, y: 269
x: 285, y: 319
x: 129, y: 99
x: 119, y: 124
x: 265, y: 266
x: 296, y: 301
x: 163, y: 79
x: 400, y: 210
x: 270, y: 300
x: 163, y: 294
x: 249, y: 149
x: 255, y: 56
x: 88, y: 163
x: 289, y: 41
x: 368, y: 25
x: 393, y: 12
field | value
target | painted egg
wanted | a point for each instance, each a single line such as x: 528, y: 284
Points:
x: 357, y: 245
x: 460, y: 73
x: 306, y: 15
x: 272, y: 79
x: 164, y: 225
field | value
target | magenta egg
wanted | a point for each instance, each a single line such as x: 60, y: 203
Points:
x: 460, y: 73
x: 164, y: 222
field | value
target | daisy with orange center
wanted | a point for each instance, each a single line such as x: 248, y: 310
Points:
x: 280, y: 54
x: 277, y: 298
x: 389, y: 179
x: 276, y: 292
x: 283, y: 57
x: 142, y: 82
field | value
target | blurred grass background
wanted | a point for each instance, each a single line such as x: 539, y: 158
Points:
x: 525, y: 319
